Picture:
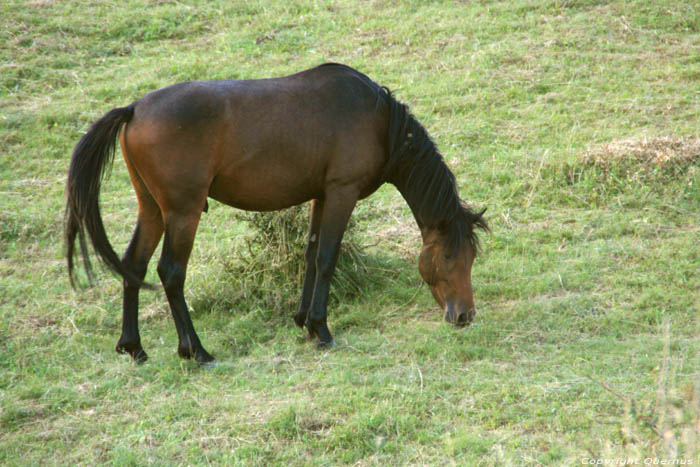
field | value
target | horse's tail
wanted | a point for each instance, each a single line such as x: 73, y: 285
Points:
x: 91, y: 160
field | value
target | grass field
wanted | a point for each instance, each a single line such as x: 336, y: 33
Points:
x: 574, y: 121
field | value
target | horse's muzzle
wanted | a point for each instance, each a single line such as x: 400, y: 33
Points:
x: 459, y: 318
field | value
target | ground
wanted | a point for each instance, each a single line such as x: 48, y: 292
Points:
x: 574, y: 122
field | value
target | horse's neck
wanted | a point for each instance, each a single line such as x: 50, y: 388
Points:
x: 412, y: 200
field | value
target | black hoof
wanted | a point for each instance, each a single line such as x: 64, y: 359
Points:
x: 320, y: 331
x: 204, y: 358
x: 199, y: 355
x: 134, y: 349
x: 140, y: 357
x: 326, y: 345
x: 207, y: 365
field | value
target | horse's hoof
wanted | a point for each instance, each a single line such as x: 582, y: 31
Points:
x: 134, y: 349
x: 326, y: 345
x: 140, y: 357
x: 207, y: 365
x: 203, y: 357
x: 200, y: 355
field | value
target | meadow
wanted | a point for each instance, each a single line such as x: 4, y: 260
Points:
x: 575, y: 122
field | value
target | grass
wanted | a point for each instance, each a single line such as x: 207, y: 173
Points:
x: 585, y: 344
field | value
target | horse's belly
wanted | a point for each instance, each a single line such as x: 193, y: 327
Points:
x: 261, y: 192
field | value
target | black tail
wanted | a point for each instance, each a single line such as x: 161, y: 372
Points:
x: 92, y: 157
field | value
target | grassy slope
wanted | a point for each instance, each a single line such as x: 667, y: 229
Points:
x: 588, y: 293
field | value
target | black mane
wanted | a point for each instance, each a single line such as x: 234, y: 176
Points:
x: 419, y: 172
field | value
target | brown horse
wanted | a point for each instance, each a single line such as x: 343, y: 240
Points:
x: 329, y: 134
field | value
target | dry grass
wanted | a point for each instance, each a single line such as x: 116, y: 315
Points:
x: 633, y: 166
x: 662, y: 151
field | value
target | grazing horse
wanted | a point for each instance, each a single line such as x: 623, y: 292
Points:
x: 329, y: 134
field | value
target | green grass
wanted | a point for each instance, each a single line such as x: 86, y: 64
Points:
x: 585, y: 344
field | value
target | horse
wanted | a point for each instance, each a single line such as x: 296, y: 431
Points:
x: 329, y: 135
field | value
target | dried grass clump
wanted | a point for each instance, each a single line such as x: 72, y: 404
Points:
x: 659, y: 152
x: 629, y: 169
x: 271, y: 265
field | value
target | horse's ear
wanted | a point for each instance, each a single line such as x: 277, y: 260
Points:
x: 480, y: 214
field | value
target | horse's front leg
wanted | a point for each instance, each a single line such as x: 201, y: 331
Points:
x: 336, y: 211
x: 307, y: 291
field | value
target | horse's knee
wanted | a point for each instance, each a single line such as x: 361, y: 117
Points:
x: 171, y: 274
x: 137, y: 269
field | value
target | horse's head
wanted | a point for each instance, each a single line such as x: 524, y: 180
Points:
x: 449, y: 276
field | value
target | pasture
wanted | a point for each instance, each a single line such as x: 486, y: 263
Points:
x: 575, y: 122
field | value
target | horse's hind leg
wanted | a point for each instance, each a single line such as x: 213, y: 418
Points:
x: 149, y: 229
x: 180, y: 229
x: 310, y: 256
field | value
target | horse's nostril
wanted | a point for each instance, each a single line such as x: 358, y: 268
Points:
x: 459, y: 319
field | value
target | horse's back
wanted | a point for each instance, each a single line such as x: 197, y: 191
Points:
x: 333, y: 91
x: 265, y: 143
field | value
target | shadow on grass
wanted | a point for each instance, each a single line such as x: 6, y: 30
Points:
x: 255, y: 302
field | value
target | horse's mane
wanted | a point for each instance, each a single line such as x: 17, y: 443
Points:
x: 417, y: 169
